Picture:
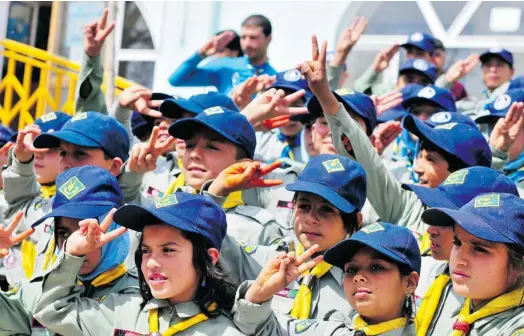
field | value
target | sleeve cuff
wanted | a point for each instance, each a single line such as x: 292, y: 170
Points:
x: 248, y: 312
x: 23, y: 169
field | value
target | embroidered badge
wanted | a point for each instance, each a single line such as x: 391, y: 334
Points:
x: 372, y: 228
x: 487, y: 201
x: 292, y: 75
x: 420, y: 64
x: 48, y: 117
x: 416, y: 37
x: 285, y: 204
x: 495, y: 50
x: 502, y: 102
x: 120, y: 332
x: 427, y: 92
x: 441, y: 117
x: 345, y: 91
x: 165, y: 201
x: 333, y: 166
x: 72, y: 187
x: 153, y: 192
x: 213, y: 110
x: 458, y: 177
x: 79, y: 116
x: 304, y: 325
x: 448, y: 127
x: 519, y: 332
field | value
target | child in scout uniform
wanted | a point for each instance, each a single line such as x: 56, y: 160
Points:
x: 183, y: 289
x: 329, y: 196
x: 381, y: 265
x: 486, y: 264
x: 82, y: 194
x: 504, y: 107
x: 24, y: 188
x: 216, y: 139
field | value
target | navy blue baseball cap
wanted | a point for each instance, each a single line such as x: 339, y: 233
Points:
x: 441, y: 118
x: 499, y: 107
x: 90, y: 129
x: 337, y: 179
x: 395, y: 242
x: 398, y: 112
x: 420, y: 66
x: 516, y: 83
x: 504, y: 54
x: 292, y: 80
x: 304, y: 118
x: 496, y: 217
x: 140, y: 125
x: 6, y: 135
x: 353, y: 101
x: 463, y: 142
x: 188, y: 212
x: 462, y: 186
x: 420, y: 40
x: 174, y: 106
x: 85, y: 192
x: 434, y: 94
x: 232, y: 125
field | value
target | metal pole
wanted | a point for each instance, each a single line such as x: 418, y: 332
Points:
x: 109, y: 56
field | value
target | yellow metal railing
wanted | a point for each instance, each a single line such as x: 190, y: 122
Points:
x: 28, y: 98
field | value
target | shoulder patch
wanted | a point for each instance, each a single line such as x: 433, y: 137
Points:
x: 250, y: 249
x: 486, y: 201
x: 372, y: 228
x: 458, y: 177
x: 72, y: 187
x: 304, y: 325
x: 518, y: 332
x: 260, y: 215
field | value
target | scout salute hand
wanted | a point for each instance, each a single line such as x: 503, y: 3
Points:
x: 144, y: 155
x: 387, y: 101
x: 7, y: 240
x: 24, y: 148
x: 279, y: 272
x: 243, y: 93
x: 95, y: 34
x: 241, y: 176
x: 138, y: 98
x: 348, y: 39
x: 507, y: 129
x: 383, y: 58
x: 315, y: 73
x: 462, y: 67
x: 385, y: 134
x: 91, y: 236
x: 216, y: 44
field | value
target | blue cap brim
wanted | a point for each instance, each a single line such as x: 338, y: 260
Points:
x: 75, y: 210
x: 490, y: 118
x: 419, y: 46
x: 391, y: 114
x: 135, y: 217
x: 52, y: 140
x: 412, y: 69
x: 341, y: 253
x: 486, y: 56
x: 173, y: 108
x: 432, y: 197
x: 303, y: 118
x: 425, y: 132
x: 323, y: 191
x: 470, y: 222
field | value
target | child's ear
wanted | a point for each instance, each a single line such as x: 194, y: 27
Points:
x: 213, y: 254
x: 413, y: 278
x: 116, y: 166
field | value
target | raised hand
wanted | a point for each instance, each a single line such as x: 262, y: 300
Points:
x: 279, y: 272
x: 144, y: 155
x: 92, y: 236
x: 216, y: 44
x: 273, y: 103
x: 348, y: 39
x: 5, y: 148
x: 24, y: 148
x: 95, y: 34
x: 242, y: 176
x: 7, y: 240
x: 383, y: 58
x: 138, y: 98
x: 462, y: 67
x: 384, y: 134
x: 507, y: 129
x: 387, y: 101
x: 315, y: 70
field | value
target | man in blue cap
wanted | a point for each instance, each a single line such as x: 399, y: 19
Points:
x: 84, y: 193
x: 227, y: 72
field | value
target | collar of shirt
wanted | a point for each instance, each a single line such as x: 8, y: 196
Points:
x: 183, y: 310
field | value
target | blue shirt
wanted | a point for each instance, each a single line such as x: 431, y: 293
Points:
x: 224, y: 73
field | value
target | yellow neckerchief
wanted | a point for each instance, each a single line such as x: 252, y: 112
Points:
x: 430, y: 303
x: 302, y: 305
x: 29, y: 256
x: 48, y: 191
x: 233, y: 200
x: 378, y: 329
x: 179, y: 162
x: 499, y: 304
x: 108, y: 276
x: 180, y: 326
x: 425, y: 244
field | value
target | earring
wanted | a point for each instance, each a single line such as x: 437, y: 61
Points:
x: 203, y: 284
x: 408, y: 299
